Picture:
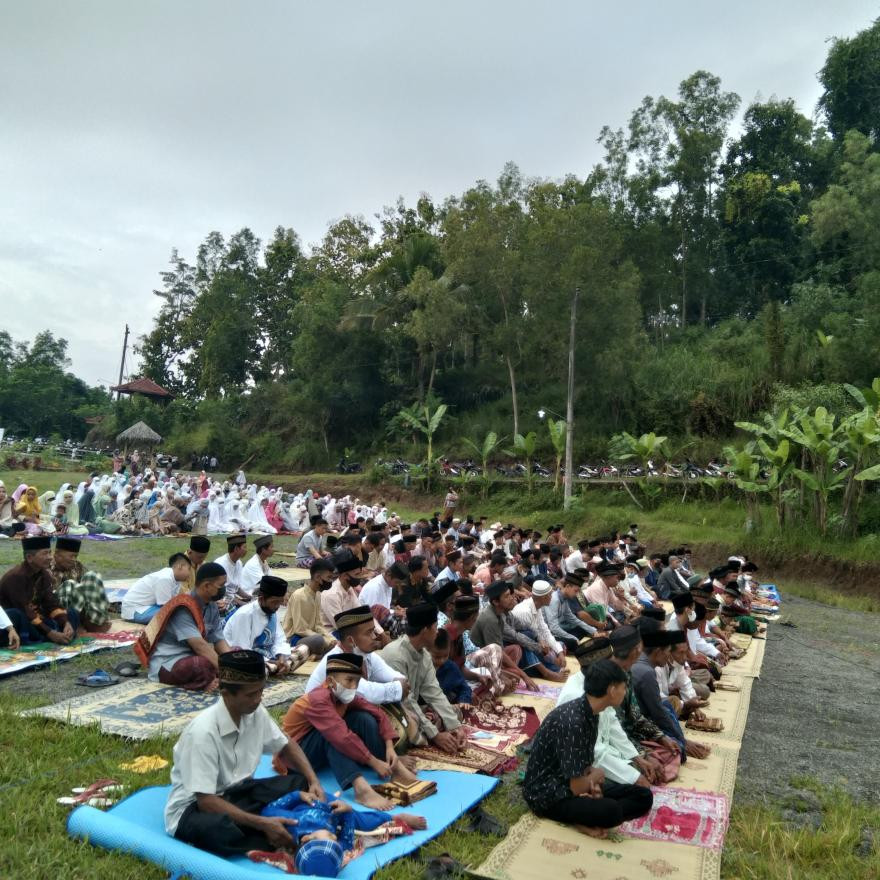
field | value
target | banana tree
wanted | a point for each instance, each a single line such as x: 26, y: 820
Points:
x: 484, y: 452
x: 421, y: 419
x: 524, y: 447
x: 745, y: 469
x: 625, y: 447
x: 557, y: 438
x: 822, y: 443
x: 862, y: 434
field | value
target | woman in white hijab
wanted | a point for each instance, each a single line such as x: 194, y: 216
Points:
x: 257, y: 516
x: 74, y: 527
x: 236, y: 517
x: 216, y: 526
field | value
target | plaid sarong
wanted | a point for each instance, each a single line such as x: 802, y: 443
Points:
x: 86, y: 596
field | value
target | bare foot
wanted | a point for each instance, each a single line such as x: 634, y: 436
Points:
x: 402, y: 773
x: 556, y: 676
x: 369, y: 798
x: 409, y: 762
x: 417, y: 823
x: 601, y: 833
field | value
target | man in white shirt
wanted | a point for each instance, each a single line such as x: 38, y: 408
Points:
x: 257, y: 566
x: 214, y: 802
x: 236, y: 550
x: 256, y: 627
x: 380, y: 589
x: 452, y: 572
x: 357, y: 635
x: 9, y: 637
x: 528, y: 613
x: 146, y: 596
x: 674, y: 679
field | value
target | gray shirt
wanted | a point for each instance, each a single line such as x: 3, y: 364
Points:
x: 172, y: 645
x: 311, y: 540
x: 562, y: 620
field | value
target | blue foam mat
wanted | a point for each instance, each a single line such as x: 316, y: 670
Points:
x: 136, y: 825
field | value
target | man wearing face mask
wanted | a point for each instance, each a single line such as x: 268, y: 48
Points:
x: 343, y: 592
x: 255, y: 627
x: 182, y: 643
x: 700, y: 652
x: 302, y: 620
x: 336, y: 727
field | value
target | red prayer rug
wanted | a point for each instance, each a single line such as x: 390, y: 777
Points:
x: 680, y: 815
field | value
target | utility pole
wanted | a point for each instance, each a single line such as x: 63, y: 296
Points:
x: 569, y: 412
x: 122, y: 362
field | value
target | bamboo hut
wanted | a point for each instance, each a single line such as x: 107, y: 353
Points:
x: 139, y: 434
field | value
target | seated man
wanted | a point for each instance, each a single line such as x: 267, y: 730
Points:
x: 561, y: 781
x: 32, y: 606
x: 449, y: 675
x: 302, y: 621
x: 215, y: 802
x: 343, y: 594
x: 258, y: 565
x: 615, y: 753
x: 336, y: 727
x: 256, y: 627
x: 236, y: 550
x: 311, y: 545
x: 8, y: 633
x: 379, y: 593
x: 357, y: 635
x: 409, y: 656
x: 496, y: 626
x: 78, y: 588
x: 528, y: 617
x: 675, y: 683
x: 561, y: 620
x: 146, y: 596
x: 656, y: 644
x: 182, y: 644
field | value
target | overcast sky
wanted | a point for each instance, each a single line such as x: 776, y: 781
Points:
x: 128, y: 129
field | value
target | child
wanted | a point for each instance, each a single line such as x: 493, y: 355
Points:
x: 329, y: 836
x: 449, y: 676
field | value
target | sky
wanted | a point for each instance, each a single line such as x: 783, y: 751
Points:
x: 128, y: 129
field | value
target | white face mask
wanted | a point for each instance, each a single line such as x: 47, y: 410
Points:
x: 344, y: 695
x: 692, y: 616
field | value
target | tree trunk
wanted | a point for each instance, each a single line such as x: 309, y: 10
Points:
x: 433, y: 372
x: 513, y: 398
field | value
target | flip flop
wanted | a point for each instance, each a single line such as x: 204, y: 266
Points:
x: 281, y: 860
x: 127, y: 669
x: 444, y: 867
x: 98, y: 679
x: 483, y: 823
x: 89, y: 802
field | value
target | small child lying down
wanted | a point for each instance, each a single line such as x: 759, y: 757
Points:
x: 329, y: 835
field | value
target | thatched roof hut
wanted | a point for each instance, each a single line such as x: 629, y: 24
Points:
x: 139, y: 433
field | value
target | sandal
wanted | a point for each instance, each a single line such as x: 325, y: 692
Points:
x: 483, y: 823
x: 127, y: 669
x: 726, y: 686
x: 709, y: 725
x: 444, y: 867
x: 281, y: 860
x: 98, y: 679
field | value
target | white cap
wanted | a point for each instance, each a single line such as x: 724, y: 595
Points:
x: 541, y: 588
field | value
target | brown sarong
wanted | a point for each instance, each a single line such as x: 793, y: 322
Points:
x: 149, y: 638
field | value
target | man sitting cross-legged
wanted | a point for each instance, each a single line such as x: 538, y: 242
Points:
x: 410, y: 656
x: 561, y: 780
x: 182, y: 644
x: 78, y: 588
x: 146, y: 596
x: 215, y: 802
x: 255, y: 626
x: 336, y: 727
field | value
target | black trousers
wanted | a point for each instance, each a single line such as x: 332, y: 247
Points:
x: 217, y: 833
x: 619, y: 803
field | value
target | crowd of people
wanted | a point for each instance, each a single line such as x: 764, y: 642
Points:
x: 409, y: 624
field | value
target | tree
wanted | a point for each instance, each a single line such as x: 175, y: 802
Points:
x: 484, y: 452
x: 556, y: 429
x: 421, y: 419
x: 524, y: 446
x: 851, y: 79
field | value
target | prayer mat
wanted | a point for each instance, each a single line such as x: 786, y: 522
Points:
x: 535, y: 849
x: 140, y: 709
x: 732, y: 707
x: 473, y: 759
x: 748, y: 666
x: 717, y: 773
x: 499, y: 727
x: 136, y: 825
x: 116, y: 589
x: 686, y: 817
x: 44, y: 653
x: 543, y: 706
x: 550, y: 691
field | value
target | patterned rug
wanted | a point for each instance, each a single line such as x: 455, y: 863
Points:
x: 697, y: 818
x: 550, y: 691
x: 45, y: 653
x: 472, y: 760
x: 498, y: 727
x: 536, y: 849
x: 140, y: 709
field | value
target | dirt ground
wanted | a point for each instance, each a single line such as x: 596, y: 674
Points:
x: 814, y: 710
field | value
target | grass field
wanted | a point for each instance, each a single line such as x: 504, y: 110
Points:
x: 50, y: 758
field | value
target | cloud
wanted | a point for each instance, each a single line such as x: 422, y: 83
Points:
x: 132, y: 129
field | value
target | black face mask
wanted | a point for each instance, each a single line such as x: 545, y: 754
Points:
x: 220, y: 594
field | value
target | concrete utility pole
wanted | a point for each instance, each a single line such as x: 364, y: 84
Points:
x: 569, y: 412
x: 122, y: 362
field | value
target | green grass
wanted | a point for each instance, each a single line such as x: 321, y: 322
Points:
x: 761, y: 845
